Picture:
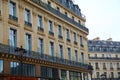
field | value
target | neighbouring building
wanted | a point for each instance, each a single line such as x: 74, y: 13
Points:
x: 43, y: 40
x: 104, y: 56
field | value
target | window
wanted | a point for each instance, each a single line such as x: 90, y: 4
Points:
x: 17, y: 68
x: 81, y: 41
x: 12, y: 8
x: 73, y: 18
x: 82, y: 57
x: 79, y: 22
x: 102, y: 55
x: 66, y: 14
x: 105, y: 73
x: 63, y: 75
x: 58, y: 9
x: 118, y: 74
x: 28, y: 42
x: 59, y: 31
x: 104, y: 66
x: 12, y: 13
x: 96, y: 64
x: 49, y: 72
x: 13, y: 38
x: 40, y: 46
x: 51, y: 27
x: 75, y: 38
x: 69, y: 54
x: 27, y: 16
x: 49, y: 3
x: 40, y: 26
x: 1, y: 66
x: 112, y: 75
x: 51, y: 49
x: 61, y: 51
x: 76, y: 56
x: 95, y: 55
x: 116, y: 56
x: 98, y: 74
x: 118, y: 66
x: 67, y: 34
x: 111, y: 66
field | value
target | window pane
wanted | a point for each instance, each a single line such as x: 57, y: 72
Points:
x: 1, y: 66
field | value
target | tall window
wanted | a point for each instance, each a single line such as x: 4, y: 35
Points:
x: 95, y: 55
x: 40, y: 22
x: 112, y: 75
x: 59, y: 30
x: 1, y: 66
x: 27, y: 16
x: 40, y: 46
x: 66, y: 14
x: 105, y: 73
x: 96, y: 64
x: 50, y: 26
x: 118, y: 66
x: 61, y: 51
x: 76, y: 56
x: 102, y: 55
x: 104, y: 66
x: 82, y: 56
x: 118, y: 74
x: 98, y: 74
x: 12, y: 8
x: 81, y: 41
x: 13, y: 38
x: 51, y: 49
x: 75, y: 37
x: 28, y: 42
x: 49, y: 3
x: 67, y: 34
x: 111, y: 66
x: 69, y: 54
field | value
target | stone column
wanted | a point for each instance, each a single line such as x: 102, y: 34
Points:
x: 68, y: 77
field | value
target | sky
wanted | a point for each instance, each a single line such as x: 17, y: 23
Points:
x: 102, y: 18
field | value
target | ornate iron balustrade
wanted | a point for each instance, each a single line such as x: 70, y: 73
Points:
x: 13, y: 17
x: 108, y: 58
x: 11, y: 50
x: 58, y: 13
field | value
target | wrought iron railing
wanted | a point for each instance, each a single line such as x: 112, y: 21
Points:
x: 108, y: 58
x: 13, y: 17
x: 11, y: 50
x: 58, y: 13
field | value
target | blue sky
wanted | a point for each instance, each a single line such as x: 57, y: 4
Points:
x: 102, y: 18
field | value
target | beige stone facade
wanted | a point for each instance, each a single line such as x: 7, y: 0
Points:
x: 104, y: 56
x: 40, y: 19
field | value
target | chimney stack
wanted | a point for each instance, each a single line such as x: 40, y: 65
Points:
x: 97, y: 38
x: 109, y: 39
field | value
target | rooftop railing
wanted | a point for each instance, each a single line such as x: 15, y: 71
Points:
x: 31, y: 54
x: 58, y: 13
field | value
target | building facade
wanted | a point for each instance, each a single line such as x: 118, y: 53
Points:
x: 104, y: 56
x: 42, y: 40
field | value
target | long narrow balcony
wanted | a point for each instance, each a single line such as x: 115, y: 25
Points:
x: 5, y: 49
x: 105, y: 58
x: 58, y: 13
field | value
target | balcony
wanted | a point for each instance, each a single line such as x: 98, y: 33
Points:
x: 103, y: 58
x: 60, y: 36
x: 97, y: 68
x: 13, y: 17
x: 75, y: 42
x: 5, y: 49
x: 104, y: 68
x: 111, y: 68
x: 81, y: 45
x: 68, y: 39
x: 28, y: 23
x: 40, y: 29
x: 61, y: 15
x: 51, y: 33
